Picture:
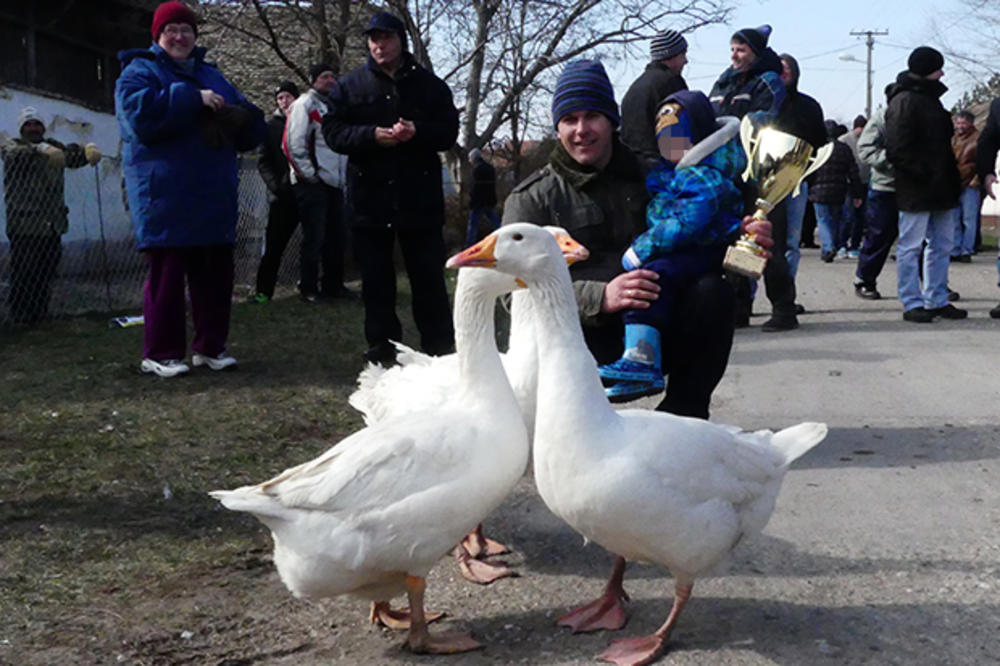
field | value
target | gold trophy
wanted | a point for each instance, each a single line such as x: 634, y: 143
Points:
x: 778, y: 162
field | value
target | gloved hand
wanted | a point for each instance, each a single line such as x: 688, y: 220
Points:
x: 56, y: 157
x: 630, y: 260
x: 92, y: 154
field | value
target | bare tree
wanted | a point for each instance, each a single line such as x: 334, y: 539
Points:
x: 292, y: 32
x: 499, y: 56
x: 973, y: 53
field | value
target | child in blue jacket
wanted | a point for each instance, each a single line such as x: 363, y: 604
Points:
x: 693, y: 216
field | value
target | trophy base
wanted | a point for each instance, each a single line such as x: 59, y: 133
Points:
x: 743, y: 262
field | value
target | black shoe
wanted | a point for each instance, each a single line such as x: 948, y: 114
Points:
x: 949, y: 312
x: 953, y: 296
x: 383, y: 354
x: 919, y: 316
x: 780, y: 323
x: 828, y: 257
x: 963, y: 259
x: 800, y: 309
x: 995, y: 313
x: 867, y: 292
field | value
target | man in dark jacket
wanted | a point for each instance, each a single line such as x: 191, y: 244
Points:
x: 918, y: 134
x: 282, y: 216
x: 800, y: 115
x: 482, y: 197
x: 661, y: 78
x: 753, y: 83
x: 986, y: 165
x: 391, y: 117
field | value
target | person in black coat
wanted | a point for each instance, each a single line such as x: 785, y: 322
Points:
x: 801, y: 116
x: 986, y: 163
x: 391, y: 117
x: 918, y: 133
x: 282, y: 216
x: 482, y: 196
x: 661, y: 78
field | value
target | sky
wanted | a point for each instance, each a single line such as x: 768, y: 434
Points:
x: 816, y: 33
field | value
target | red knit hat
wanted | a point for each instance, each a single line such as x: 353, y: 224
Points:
x: 172, y: 12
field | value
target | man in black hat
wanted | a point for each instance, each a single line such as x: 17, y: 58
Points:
x: 753, y: 83
x: 391, y: 117
x: 918, y: 133
x: 317, y: 177
x: 661, y: 78
x: 282, y: 216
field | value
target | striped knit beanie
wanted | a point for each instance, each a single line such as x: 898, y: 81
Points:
x: 666, y: 45
x: 583, y: 85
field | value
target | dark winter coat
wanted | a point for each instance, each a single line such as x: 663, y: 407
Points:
x: 838, y: 177
x: 800, y: 115
x: 918, y: 143
x: 271, y: 161
x: 401, y: 185
x: 181, y: 190
x: 989, y: 143
x: 639, y: 107
x: 759, y: 88
x: 484, y: 185
x: 34, y: 187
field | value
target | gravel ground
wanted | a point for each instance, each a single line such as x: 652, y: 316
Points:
x: 883, y: 548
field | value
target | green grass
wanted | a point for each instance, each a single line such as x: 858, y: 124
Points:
x: 104, y: 472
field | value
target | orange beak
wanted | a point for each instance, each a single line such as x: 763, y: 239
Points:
x: 480, y: 254
x: 572, y: 250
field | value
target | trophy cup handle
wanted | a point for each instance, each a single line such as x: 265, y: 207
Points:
x: 748, y: 140
x: 817, y: 160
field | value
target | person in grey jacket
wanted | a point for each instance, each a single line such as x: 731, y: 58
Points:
x: 881, y: 213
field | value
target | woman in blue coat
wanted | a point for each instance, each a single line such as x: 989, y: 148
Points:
x: 182, y: 124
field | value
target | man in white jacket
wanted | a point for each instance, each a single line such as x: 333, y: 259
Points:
x: 317, y: 176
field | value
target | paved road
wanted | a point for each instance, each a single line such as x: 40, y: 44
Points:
x: 885, y: 544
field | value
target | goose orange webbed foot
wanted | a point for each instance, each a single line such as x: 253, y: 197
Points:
x: 605, y: 612
x: 420, y: 640
x: 634, y: 651
x: 383, y: 615
x: 480, y: 546
x: 478, y: 571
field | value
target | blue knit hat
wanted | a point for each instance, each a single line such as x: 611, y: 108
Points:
x: 386, y: 22
x: 583, y: 85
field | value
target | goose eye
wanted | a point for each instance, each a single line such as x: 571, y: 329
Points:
x: 517, y: 237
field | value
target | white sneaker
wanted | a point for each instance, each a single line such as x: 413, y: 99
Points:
x: 169, y: 368
x: 220, y: 362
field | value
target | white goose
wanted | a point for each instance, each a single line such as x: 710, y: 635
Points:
x: 371, y: 516
x: 647, y: 486
x: 421, y: 381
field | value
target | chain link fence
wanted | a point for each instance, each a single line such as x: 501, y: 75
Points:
x: 69, y: 247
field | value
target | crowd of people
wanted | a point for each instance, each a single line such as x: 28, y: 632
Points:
x: 653, y: 189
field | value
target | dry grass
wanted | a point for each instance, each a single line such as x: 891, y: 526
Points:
x: 104, y: 472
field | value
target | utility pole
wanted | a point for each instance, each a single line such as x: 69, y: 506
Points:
x: 870, y: 43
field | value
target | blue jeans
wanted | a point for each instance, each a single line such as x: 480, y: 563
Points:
x: 938, y: 228
x: 829, y: 222
x: 967, y: 222
x: 796, y: 213
x: 472, y: 232
x: 881, y: 229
